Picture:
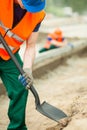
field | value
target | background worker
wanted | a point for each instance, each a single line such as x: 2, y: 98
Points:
x: 54, y: 40
x: 20, y: 22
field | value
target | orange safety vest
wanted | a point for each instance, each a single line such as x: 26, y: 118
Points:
x: 17, y: 35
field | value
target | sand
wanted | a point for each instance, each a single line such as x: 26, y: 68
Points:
x: 65, y: 87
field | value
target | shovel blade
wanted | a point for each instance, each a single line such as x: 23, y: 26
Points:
x: 51, y: 111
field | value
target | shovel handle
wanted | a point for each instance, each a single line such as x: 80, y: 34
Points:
x: 11, y: 54
x: 37, y: 100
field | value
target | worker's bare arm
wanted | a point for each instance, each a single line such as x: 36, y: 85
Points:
x: 29, y: 54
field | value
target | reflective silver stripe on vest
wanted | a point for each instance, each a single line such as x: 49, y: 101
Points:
x: 1, y: 46
x: 11, y: 34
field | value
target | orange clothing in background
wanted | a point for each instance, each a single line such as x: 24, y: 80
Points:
x: 56, y: 35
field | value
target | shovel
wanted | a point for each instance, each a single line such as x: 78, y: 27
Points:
x: 45, y: 108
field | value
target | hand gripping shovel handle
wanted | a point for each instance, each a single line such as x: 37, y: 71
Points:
x: 37, y: 100
x: 44, y: 108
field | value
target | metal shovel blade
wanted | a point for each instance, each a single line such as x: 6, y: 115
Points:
x: 51, y: 111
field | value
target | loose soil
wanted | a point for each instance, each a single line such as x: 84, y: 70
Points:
x: 65, y: 87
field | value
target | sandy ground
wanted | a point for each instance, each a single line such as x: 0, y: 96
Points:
x: 65, y: 87
x: 71, y: 26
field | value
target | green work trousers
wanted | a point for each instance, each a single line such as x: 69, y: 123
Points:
x: 16, y: 93
x: 45, y: 49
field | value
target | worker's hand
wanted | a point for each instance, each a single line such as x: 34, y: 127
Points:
x: 26, y: 79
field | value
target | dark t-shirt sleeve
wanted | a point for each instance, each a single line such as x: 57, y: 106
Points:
x: 37, y: 27
x: 63, y: 39
x: 19, y: 14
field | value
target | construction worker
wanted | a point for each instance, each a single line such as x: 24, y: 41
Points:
x: 19, y: 21
x: 54, y: 40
